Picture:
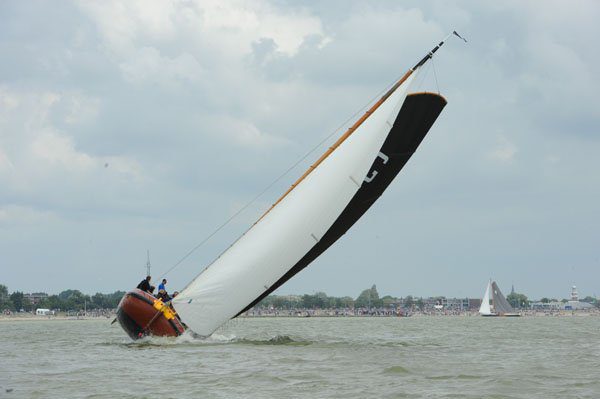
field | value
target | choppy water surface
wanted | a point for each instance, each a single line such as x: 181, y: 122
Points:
x: 428, y: 357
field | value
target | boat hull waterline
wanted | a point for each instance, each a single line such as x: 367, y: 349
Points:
x: 140, y: 314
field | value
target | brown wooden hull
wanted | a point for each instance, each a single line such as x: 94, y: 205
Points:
x: 140, y: 314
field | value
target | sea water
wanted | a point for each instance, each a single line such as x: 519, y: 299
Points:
x: 418, y: 357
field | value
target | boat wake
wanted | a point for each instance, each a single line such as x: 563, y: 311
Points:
x: 276, y: 340
x: 215, y: 339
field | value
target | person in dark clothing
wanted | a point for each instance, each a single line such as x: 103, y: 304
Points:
x: 163, y: 296
x: 144, y: 285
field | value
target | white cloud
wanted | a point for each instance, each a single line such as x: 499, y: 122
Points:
x: 5, y: 163
x: 227, y: 27
x: 147, y: 65
x: 56, y: 149
x: 504, y: 151
x: 16, y: 215
x: 40, y: 159
x: 246, y: 134
x: 81, y: 109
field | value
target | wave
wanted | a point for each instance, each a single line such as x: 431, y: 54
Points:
x: 455, y: 377
x: 396, y: 370
x: 276, y: 340
x: 189, y: 338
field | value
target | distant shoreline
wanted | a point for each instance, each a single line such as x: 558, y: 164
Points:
x: 28, y: 317
x: 31, y: 317
x: 527, y: 314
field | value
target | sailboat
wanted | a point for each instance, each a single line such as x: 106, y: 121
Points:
x: 306, y: 220
x: 494, y: 303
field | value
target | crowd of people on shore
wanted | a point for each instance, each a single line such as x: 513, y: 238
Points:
x: 399, y: 312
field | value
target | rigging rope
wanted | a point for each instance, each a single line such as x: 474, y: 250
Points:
x: 220, y: 227
x: 435, y: 75
x: 424, y: 75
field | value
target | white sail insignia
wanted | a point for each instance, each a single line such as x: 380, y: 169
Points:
x: 286, y: 233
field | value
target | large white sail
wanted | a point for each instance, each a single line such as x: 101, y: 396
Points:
x: 305, y: 221
x: 286, y: 233
x: 485, y: 308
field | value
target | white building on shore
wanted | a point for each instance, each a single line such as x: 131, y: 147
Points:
x: 574, y: 303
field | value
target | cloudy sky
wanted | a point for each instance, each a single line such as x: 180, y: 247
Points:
x: 127, y: 126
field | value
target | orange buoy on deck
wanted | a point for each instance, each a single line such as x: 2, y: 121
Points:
x: 140, y: 314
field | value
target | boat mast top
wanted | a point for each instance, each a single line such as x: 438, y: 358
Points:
x: 436, y: 48
x: 148, y: 263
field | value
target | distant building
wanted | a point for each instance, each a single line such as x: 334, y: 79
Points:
x: 546, y: 305
x: 474, y: 303
x: 458, y: 304
x: 574, y: 294
x: 35, y: 297
x: 574, y: 303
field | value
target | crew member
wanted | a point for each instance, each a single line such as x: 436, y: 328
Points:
x: 163, y: 296
x: 161, y: 286
x: 144, y: 285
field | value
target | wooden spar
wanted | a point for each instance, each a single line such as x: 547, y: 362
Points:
x: 341, y: 139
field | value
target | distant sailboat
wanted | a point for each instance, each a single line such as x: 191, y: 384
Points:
x: 494, y: 303
x: 313, y: 214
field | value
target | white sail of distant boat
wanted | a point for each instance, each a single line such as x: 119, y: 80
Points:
x: 494, y: 303
x: 320, y: 207
x: 485, y: 308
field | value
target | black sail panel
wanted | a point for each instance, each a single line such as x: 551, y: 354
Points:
x: 417, y: 115
x: 501, y: 305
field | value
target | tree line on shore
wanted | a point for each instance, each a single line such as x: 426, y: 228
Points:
x: 68, y: 300
x: 320, y: 300
x: 75, y: 300
x: 369, y: 298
